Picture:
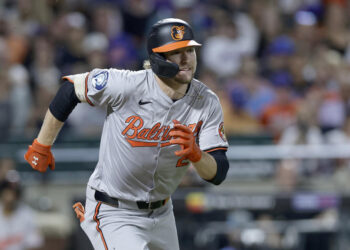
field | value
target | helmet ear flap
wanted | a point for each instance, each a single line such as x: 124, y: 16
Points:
x: 162, y: 67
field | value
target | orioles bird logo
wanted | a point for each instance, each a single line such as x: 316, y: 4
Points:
x: 177, y: 32
x: 222, y: 132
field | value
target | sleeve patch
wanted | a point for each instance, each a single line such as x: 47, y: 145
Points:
x: 99, y: 81
x: 222, y: 132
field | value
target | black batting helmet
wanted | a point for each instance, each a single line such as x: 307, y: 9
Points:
x: 167, y: 35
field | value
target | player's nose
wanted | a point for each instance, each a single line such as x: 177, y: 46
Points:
x: 184, y: 57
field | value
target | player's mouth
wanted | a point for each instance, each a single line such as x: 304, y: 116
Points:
x: 185, y: 69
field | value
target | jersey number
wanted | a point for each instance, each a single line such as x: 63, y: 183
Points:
x: 182, y: 162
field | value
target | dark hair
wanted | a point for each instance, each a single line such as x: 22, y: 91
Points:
x: 11, y: 183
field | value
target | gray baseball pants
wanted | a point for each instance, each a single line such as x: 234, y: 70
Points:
x: 113, y: 228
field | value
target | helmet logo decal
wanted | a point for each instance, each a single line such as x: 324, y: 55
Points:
x: 177, y: 32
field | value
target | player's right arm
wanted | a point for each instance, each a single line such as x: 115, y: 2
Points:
x: 95, y: 88
x: 39, y: 154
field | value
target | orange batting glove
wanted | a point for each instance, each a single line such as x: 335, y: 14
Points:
x: 39, y: 156
x: 184, y: 137
x: 79, y: 211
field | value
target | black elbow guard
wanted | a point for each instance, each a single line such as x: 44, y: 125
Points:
x: 64, y: 102
x: 222, y: 166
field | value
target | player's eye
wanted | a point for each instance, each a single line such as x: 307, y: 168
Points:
x: 190, y: 50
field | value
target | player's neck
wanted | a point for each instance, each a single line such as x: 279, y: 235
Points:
x: 171, y: 88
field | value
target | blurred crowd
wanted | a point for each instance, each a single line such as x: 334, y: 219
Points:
x: 280, y: 67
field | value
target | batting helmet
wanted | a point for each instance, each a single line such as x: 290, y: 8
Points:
x: 167, y: 35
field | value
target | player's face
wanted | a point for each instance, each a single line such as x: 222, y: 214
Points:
x: 186, y: 58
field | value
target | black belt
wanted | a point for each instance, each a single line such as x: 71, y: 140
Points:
x: 99, y: 196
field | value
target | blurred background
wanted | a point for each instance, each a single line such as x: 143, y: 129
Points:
x: 281, y: 69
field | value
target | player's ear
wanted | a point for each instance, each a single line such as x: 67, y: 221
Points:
x: 162, y: 67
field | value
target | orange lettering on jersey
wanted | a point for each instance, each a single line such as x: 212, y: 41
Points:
x: 166, y: 132
x: 198, y: 128
x: 142, y: 134
x: 153, y: 131
x: 158, y: 135
x: 192, y: 126
x: 133, y: 119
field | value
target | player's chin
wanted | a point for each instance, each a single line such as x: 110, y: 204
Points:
x: 184, y: 77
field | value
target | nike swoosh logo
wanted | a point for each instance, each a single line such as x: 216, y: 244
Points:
x: 143, y: 103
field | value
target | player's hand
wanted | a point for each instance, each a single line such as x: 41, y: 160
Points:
x: 79, y: 211
x: 39, y: 156
x: 184, y: 137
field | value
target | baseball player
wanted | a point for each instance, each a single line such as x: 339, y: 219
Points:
x: 159, y: 121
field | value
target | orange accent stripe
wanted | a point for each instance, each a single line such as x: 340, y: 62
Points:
x: 164, y: 144
x: 146, y: 144
x: 98, y: 224
x: 68, y: 79
x: 86, y: 90
x: 214, y: 149
x: 142, y: 143
x: 175, y: 45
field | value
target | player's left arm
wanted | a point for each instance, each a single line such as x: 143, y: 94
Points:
x: 211, y: 166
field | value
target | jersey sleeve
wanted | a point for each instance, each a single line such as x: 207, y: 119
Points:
x: 212, y: 134
x: 106, y: 86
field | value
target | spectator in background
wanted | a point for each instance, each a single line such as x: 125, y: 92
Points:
x: 269, y: 22
x: 70, y: 53
x: 282, y: 112
x: 18, y: 229
x: 107, y: 20
x: 257, y: 91
x: 45, y: 76
x: 87, y: 121
x: 305, y: 130
x: 277, y: 57
x: 20, y: 98
x: 5, y: 106
x: 6, y: 164
x: 302, y: 73
x: 336, y: 26
x: 136, y: 16
x: 332, y: 108
x: 305, y: 32
x: 236, y: 118
x: 95, y: 46
x: 122, y: 50
x: 233, y: 37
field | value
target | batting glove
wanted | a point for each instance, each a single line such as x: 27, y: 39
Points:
x: 184, y: 137
x: 39, y: 156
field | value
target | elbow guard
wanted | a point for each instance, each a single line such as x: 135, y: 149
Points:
x: 222, y: 166
x: 64, y: 102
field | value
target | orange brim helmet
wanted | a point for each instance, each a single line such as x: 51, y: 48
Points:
x: 167, y: 35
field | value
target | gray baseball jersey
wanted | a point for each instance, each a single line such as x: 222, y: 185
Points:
x: 136, y: 161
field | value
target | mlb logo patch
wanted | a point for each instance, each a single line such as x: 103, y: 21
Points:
x: 99, y: 81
